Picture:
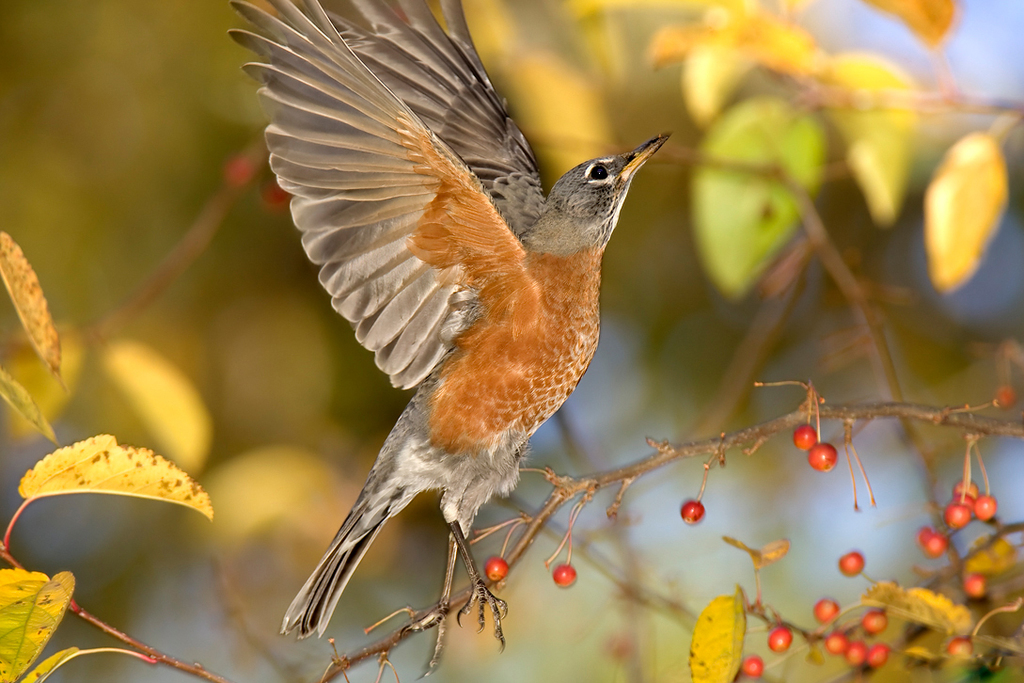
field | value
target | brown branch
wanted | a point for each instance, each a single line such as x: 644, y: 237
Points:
x: 196, y: 669
x: 567, y: 488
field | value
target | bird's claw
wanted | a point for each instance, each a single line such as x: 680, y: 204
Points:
x: 483, y: 596
x: 430, y: 618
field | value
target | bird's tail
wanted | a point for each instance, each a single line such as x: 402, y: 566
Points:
x: 312, y: 608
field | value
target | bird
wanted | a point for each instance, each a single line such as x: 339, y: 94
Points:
x: 421, y: 202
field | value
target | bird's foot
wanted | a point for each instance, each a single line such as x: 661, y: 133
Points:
x: 483, y: 596
x: 428, y: 619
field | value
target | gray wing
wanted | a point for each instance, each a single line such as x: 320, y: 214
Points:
x: 352, y: 154
x: 440, y: 76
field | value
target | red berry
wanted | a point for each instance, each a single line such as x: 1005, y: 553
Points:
x: 692, y: 512
x: 753, y: 666
x: 239, y: 170
x: 958, y: 491
x: 804, y: 437
x: 956, y: 515
x: 975, y: 586
x: 496, y: 568
x: 960, y: 646
x: 985, y: 507
x: 564, y: 575
x: 837, y: 643
x: 874, y: 621
x: 825, y: 610
x: 852, y: 563
x: 1006, y: 396
x: 822, y: 457
x: 274, y: 198
x: 877, y: 655
x: 779, y: 639
x: 856, y: 653
x: 932, y: 542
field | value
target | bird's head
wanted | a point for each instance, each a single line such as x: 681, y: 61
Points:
x: 583, y: 207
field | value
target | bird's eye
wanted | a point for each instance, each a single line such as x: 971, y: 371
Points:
x: 597, y: 172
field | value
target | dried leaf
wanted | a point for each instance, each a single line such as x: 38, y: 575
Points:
x: 31, y: 607
x: 755, y: 555
x: 999, y: 557
x: 100, y: 465
x: 165, y: 399
x: 962, y: 207
x: 19, y: 399
x: 49, y: 665
x: 742, y: 219
x: 760, y: 37
x: 23, y: 286
x: 717, y: 645
x: 920, y: 606
x: 710, y: 76
x: 879, y: 142
x: 45, y: 389
x: 773, y: 552
x: 930, y: 20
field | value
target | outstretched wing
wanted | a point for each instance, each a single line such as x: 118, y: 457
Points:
x: 440, y: 77
x: 409, y: 243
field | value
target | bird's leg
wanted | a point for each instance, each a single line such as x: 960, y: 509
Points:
x: 481, y: 594
x: 442, y: 606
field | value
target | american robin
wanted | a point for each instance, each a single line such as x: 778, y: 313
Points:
x: 420, y: 200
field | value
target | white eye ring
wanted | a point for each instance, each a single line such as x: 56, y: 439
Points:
x: 597, y: 172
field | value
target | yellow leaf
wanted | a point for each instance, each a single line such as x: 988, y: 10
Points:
x: 962, y: 207
x: 778, y: 45
x: 46, y: 390
x: 999, y: 557
x: 100, y: 465
x: 774, y: 551
x: 930, y: 20
x: 268, y: 485
x: 31, y: 606
x: 22, y: 402
x: 49, y: 665
x: 717, y: 645
x: 561, y: 111
x: 920, y: 606
x: 165, y: 399
x: 920, y: 652
x: 27, y: 295
x: 710, y: 76
x: 879, y: 142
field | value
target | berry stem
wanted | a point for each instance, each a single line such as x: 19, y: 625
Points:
x: 981, y: 466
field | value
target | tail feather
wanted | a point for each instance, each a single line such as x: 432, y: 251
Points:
x: 312, y: 608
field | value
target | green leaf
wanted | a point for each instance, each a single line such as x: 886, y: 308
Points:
x: 31, y: 606
x: 742, y: 219
x: 19, y: 399
x: 717, y: 645
x: 879, y: 142
x: 49, y: 665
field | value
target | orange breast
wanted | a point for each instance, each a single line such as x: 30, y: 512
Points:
x: 512, y: 370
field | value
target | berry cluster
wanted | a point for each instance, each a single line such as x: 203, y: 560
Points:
x: 821, y: 455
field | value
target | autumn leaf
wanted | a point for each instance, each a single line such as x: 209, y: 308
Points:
x: 919, y: 605
x: 19, y: 399
x: 962, y: 207
x: 23, y: 286
x: 930, y: 20
x: 31, y: 607
x: 879, y: 142
x: 586, y: 8
x: 49, y: 665
x: 769, y: 554
x: 717, y: 645
x: 710, y: 76
x: 997, y: 558
x: 46, y: 391
x: 165, y: 399
x: 760, y: 37
x: 100, y: 465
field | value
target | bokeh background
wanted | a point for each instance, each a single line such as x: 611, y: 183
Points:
x: 117, y: 119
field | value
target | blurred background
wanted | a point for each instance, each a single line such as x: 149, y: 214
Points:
x: 120, y: 121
